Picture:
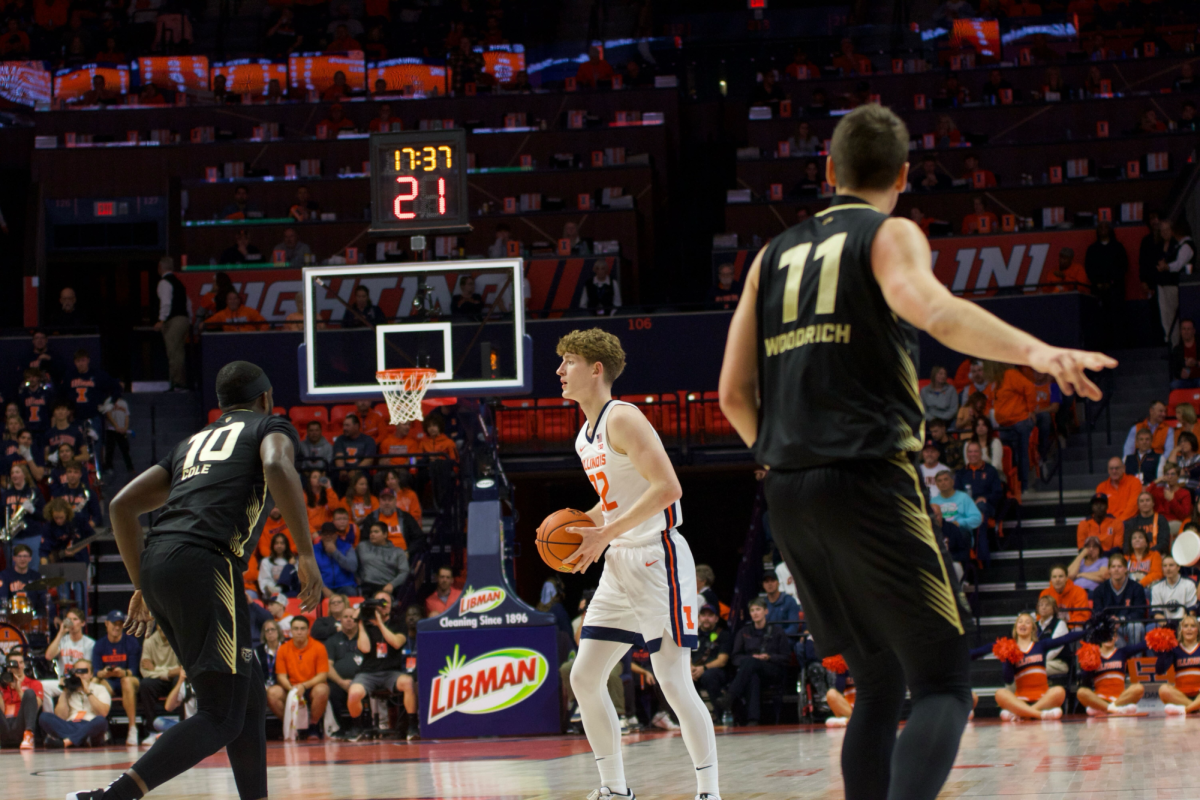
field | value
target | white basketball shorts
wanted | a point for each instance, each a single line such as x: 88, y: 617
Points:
x: 646, y: 593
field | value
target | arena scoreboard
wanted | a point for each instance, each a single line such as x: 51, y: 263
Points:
x: 419, y: 181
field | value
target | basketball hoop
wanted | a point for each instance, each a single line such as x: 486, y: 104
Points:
x: 403, y: 389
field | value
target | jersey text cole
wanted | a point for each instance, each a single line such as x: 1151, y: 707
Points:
x: 618, y: 483
x: 218, y: 487
x: 837, y: 368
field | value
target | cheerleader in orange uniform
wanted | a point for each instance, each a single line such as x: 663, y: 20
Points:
x: 1108, y: 692
x: 1032, y: 696
x: 1183, y: 696
x: 841, y: 701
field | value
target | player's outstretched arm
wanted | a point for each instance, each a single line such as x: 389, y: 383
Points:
x: 739, y: 370
x: 142, y: 495
x: 900, y: 259
x: 283, y: 482
x: 629, y: 432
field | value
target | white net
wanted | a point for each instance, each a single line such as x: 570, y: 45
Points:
x: 404, y: 389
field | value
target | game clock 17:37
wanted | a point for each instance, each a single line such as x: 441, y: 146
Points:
x: 419, y: 181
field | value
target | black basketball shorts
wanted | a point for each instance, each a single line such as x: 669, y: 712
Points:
x: 195, y: 594
x: 868, y: 568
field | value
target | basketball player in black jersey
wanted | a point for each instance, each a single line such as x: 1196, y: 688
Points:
x: 212, y: 489
x: 820, y: 378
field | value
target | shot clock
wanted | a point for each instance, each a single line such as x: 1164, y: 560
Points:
x: 419, y: 181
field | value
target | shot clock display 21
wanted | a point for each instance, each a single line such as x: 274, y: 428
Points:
x: 419, y: 181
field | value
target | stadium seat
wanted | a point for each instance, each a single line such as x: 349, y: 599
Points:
x: 516, y: 421
x: 558, y: 419
x: 337, y: 415
x: 302, y: 415
x: 705, y: 418
x: 293, y: 610
x: 1182, y: 396
x: 923, y: 382
x: 213, y: 414
x: 279, y: 411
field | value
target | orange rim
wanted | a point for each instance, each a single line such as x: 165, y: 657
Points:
x: 400, y: 374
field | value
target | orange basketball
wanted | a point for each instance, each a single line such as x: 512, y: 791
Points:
x: 554, y: 543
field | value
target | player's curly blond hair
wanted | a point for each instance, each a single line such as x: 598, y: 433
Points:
x: 596, y: 345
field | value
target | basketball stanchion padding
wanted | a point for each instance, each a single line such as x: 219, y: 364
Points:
x: 1186, y: 549
x: 554, y: 543
x: 403, y: 389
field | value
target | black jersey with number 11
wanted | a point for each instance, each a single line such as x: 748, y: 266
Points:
x: 837, y: 368
x: 218, y: 487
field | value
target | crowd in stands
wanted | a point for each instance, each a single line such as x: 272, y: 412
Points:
x: 63, y: 425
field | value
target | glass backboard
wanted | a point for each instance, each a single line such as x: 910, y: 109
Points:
x: 465, y: 319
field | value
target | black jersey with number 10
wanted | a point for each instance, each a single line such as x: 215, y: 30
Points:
x: 218, y: 487
x: 837, y: 368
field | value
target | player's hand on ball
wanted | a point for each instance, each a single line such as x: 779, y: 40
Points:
x: 310, y: 582
x: 139, y: 620
x: 595, y: 542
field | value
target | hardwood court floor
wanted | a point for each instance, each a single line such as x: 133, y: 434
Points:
x: 1078, y: 758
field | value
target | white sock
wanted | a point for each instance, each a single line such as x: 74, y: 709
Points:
x: 612, y: 773
x: 672, y: 669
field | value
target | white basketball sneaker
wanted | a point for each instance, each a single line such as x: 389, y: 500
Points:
x: 1052, y: 713
x: 1008, y: 716
x: 603, y: 793
x: 837, y: 722
x: 1174, y: 710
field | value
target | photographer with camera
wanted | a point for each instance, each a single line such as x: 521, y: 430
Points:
x: 70, y: 645
x: 21, y: 698
x: 79, y: 715
x: 382, y: 665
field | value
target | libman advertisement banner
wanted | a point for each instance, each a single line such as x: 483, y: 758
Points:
x: 477, y: 681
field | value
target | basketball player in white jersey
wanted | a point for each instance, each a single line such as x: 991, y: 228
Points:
x: 647, y: 592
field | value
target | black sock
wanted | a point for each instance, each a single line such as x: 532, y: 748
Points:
x: 125, y: 788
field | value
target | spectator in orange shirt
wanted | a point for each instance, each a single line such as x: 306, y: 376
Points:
x: 986, y: 178
x: 236, y: 317
x: 1103, y: 526
x: 980, y: 220
x: 370, y: 421
x: 399, y: 445
x: 850, y: 62
x: 1145, y: 565
x: 436, y: 441
x: 1066, y: 276
x: 320, y: 499
x: 1016, y: 414
x: 445, y: 595
x: 594, y: 70
x: 401, y: 527
x: 1122, y: 490
x: 272, y: 525
x: 301, y: 666
x: 400, y: 482
x: 358, y: 498
x: 1067, y: 595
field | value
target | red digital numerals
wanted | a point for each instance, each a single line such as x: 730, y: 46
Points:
x: 414, y: 187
